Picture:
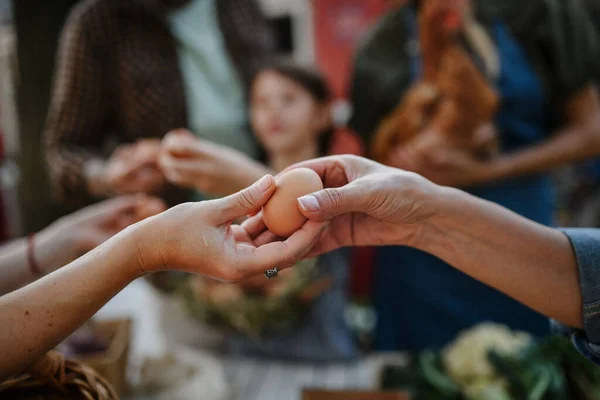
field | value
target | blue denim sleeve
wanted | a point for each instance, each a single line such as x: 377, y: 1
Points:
x: 580, y: 341
x: 586, y: 246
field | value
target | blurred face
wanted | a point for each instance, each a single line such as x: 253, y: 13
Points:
x: 284, y: 115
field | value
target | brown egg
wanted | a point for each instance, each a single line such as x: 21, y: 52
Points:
x: 281, y: 214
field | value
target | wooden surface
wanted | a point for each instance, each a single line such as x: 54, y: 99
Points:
x: 350, y: 395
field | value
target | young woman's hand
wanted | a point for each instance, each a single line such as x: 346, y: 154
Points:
x: 75, y: 234
x: 205, y: 166
x: 200, y: 238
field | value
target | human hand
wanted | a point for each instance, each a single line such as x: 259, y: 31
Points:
x: 205, y: 166
x: 77, y: 233
x: 451, y: 167
x: 200, y: 238
x: 366, y: 203
x: 133, y: 168
x: 447, y: 163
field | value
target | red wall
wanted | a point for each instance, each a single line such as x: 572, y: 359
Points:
x: 338, y: 26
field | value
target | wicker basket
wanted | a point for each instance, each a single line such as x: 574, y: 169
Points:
x: 112, y: 364
x: 54, y: 378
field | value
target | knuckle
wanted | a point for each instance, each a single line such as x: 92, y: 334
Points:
x: 333, y: 197
x: 245, y: 199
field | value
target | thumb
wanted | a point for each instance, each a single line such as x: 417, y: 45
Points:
x: 329, y: 203
x: 245, y: 202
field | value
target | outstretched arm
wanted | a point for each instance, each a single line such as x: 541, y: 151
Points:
x: 195, y: 237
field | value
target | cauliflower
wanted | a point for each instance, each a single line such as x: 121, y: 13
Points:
x: 466, y: 359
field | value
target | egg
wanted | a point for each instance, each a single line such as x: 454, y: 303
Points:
x: 281, y: 213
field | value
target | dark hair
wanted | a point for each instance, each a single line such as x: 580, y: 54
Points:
x: 314, y: 83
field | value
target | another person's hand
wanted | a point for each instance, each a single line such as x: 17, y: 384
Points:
x: 134, y: 168
x: 200, y: 238
x: 448, y: 166
x: 205, y: 166
x: 77, y: 233
x: 366, y: 203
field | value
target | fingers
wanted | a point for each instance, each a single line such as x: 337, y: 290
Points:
x: 329, y: 203
x: 127, y: 209
x: 147, y: 180
x: 148, y: 207
x: 254, y: 225
x: 115, y: 206
x: 178, y: 146
x: 182, y: 166
x: 245, y: 202
x: 337, y: 171
x: 188, y: 169
x: 182, y: 143
x: 105, y: 211
x: 282, y: 255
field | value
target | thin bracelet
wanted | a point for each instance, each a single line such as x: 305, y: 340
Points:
x: 33, y: 265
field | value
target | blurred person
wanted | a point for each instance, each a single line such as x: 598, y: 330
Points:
x: 196, y: 237
x: 290, y: 114
x: 24, y: 260
x: 130, y: 71
x: 540, y: 58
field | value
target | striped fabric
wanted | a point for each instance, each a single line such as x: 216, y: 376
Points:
x: 118, y: 78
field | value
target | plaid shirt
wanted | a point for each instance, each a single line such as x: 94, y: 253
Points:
x: 118, y: 80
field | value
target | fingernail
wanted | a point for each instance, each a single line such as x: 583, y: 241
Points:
x: 309, y: 203
x: 264, y: 183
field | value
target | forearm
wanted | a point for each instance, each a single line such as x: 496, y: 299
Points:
x: 39, y: 316
x: 529, y: 262
x: 49, y: 250
x: 567, y: 146
x: 578, y: 141
x: 14, y: 267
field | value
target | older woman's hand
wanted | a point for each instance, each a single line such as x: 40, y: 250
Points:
x: 366, y: 203
x: 200, y: 238
x: 205, y: 166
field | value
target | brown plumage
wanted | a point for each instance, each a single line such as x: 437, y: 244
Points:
x: 451, y: 101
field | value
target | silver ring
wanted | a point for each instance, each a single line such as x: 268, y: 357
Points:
x: 272, y: 273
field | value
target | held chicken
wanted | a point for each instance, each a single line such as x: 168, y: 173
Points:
x: 452, y: 100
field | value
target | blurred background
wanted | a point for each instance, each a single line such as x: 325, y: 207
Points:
x: 80, y: 79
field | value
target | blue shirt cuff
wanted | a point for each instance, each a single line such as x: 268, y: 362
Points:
x: 579, y: 339
x: 586, y: 245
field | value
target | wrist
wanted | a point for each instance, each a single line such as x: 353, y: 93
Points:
x: 499, y: 168
x: 142, y: 241
x: 447, y: 214
x: 52, y: 248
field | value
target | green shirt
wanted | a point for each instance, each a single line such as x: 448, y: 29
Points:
x: 215, y: 94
